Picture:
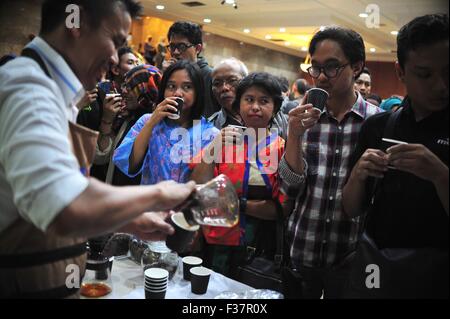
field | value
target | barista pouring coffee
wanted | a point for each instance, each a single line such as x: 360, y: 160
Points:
x: 47, y: 208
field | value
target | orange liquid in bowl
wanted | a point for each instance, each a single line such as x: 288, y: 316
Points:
x: 94, y: 290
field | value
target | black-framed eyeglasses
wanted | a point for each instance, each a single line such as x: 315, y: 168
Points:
x: 330, y: 71
x: 231, y: 82
x: 180, y: 46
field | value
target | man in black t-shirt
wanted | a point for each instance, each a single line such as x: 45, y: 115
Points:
x: 411, y: 203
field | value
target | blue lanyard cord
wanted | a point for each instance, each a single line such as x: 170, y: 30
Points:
x: 246, y: 179
x: 264, y: 144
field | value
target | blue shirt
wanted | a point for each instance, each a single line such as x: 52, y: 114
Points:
x: 170, y: 150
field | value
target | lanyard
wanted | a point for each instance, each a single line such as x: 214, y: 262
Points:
x: 264, y: 143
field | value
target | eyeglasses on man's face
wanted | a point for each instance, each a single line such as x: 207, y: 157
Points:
x: 330, y: 70
x: 230, y: 82
x: 181, y: 47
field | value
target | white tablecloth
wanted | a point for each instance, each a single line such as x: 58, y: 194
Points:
x: 128, y: 283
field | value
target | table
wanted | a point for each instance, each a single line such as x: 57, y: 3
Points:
x: 128, y: 283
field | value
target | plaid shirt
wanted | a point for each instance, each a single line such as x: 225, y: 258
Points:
x: 319, y: 232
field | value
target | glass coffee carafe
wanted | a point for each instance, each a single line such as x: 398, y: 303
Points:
x: 158, y: 255
x: 212, y: 204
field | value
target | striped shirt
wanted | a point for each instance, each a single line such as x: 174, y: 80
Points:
x: 319, y: 233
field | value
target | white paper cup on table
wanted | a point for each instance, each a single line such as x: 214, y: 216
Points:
x: 200, y: 279
x: 155, y: 283
x: 188, y: 263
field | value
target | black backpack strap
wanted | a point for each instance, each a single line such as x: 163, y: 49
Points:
x: 279, y: 258
x: 389, y: 129
x: 389, y: 132
x: 30, y: 53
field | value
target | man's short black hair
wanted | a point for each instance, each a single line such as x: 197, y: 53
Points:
x: 366, y: 71
x: 124, y: 50
x: 284, y: 84
x: 374, y: 97
x: 189, y: 30
x: 350, y: 42
x: 54, y: 13
x: 422, y: 31
x: 121, y: 52
x: 302, y: 86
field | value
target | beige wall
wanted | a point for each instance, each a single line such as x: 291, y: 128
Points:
x: 217, y: 48
x: 143, y: 28
x: 18, y: 19
x: 256, y: 58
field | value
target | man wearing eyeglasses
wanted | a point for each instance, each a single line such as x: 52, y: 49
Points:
x: 185, y: 43
x: 316, y: 163
x: 225, y: 79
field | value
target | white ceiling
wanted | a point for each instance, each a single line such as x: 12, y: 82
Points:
x: 301, y: 18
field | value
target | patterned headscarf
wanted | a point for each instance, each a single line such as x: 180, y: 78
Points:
x: 144, y: 81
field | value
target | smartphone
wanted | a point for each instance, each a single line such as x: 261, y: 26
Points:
x: 391, y: 142
x: 103, y: 89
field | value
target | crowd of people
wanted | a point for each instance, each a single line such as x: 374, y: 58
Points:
x: 93, y: 141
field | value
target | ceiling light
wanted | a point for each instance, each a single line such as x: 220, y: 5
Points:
x: 363, y: 15
x: 306, y: 64
x: 207, y: 20
x: 268, y: 37
x: 282, y: 29
x: 246, y: 30
x: 304, y: 49
x: 394, y: 32
x: 373, y: 50
x: 160, y: 7
x: 230, y: 2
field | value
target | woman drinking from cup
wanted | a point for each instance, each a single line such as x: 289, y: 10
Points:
x: 253, y: 173
x: 153, y: 145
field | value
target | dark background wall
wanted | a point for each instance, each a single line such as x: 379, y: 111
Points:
x: 384, y: 79
x: 18, y: 19
x: 385, y: 82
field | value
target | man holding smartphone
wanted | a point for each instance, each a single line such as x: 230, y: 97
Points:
x: 409, y: 209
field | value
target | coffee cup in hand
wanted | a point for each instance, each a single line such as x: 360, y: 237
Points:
x: 184, y: 233
x: 176, y: 115
x: 318, y: 98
